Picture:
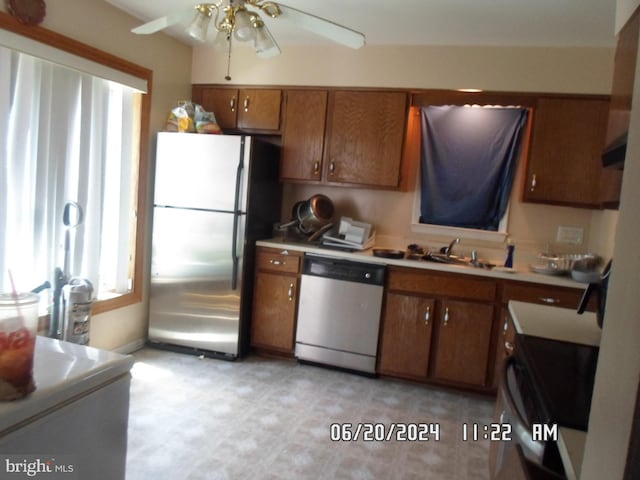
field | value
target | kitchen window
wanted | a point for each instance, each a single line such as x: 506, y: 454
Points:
x: 468, y: 162
x: 70, y: 134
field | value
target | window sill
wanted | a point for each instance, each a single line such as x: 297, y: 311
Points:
x: 108, y: 304
x: 462, y: 233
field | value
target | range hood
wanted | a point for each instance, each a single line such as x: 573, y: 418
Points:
x: 613, y: 155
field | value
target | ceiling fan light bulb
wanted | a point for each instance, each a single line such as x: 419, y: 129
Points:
x: 264, y: 43
x: 198, y: 27
x: 243, y: 26
x: 222, y: 40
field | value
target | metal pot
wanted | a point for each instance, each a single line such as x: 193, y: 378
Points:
x: 313, y: 214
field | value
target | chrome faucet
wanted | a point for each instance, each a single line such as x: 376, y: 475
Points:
x: 449, y: 249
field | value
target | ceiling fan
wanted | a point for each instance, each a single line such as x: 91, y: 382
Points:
x: 241, y: 20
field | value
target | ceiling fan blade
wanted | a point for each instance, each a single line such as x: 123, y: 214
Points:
x: 323, y: 27
x: 163, y: 22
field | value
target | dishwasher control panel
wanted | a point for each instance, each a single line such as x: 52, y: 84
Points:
x: 347, y: 270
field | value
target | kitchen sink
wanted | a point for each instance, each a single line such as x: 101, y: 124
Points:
x: 415, y: 252
x: 456, y: 260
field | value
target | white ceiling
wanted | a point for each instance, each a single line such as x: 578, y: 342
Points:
x: 432, y: 22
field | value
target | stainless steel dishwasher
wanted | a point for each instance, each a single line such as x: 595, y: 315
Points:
x: 339, y: 312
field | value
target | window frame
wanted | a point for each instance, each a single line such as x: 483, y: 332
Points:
x: 67, y: 44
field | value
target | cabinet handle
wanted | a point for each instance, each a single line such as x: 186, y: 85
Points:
x: 446, y: 316
x: 508, y: 348
x: 290, y: 292
x: 246, y: 104
x: 332, y: 167
x: 427, y: 316
x: 276, y: 262
x: 533, y: 183
x: 549, y: 300
x: 316, y: 167
x: 232, y: 104
x: 505, y: 327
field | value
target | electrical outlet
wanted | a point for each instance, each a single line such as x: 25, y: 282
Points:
x: 572, y: 235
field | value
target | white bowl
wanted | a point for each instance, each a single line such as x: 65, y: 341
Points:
x: 586, y: 277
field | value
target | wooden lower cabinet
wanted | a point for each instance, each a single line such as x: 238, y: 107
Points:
x: 275, y: 300
x: 406, y: 336
x: 505, y: 345
x: 431, y: 332
x: 463, y: 342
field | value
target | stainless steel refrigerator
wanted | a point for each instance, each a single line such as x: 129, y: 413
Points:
x: 214, y: 196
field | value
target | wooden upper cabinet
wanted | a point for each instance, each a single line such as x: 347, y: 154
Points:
x: 365, y: 137
x: 620, y: 108
x: 223, y: 103
x: 259, y: 109
x: 623, y: 78
x: 565, y: 157
x: 305, y: 114
x: 244, y: 109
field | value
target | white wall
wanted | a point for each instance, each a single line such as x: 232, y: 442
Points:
x: 98, y: 24
x: 624, y: 9
x: 614, y: 396
x: 573, y: 70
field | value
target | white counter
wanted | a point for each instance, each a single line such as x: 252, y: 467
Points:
x: 566, y: 325
x: 556, y: 323
x: 367, y: 256
x: 77, y: 418
x: 62, y: 371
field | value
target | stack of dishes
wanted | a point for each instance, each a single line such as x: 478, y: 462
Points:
x: 585, y: 265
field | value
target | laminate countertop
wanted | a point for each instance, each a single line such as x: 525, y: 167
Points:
x: 520, y: 275
x: 62, y: 372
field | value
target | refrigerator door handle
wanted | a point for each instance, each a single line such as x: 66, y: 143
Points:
x: 236, y: 218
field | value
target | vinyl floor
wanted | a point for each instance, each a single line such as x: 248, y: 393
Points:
x: 197, y: 418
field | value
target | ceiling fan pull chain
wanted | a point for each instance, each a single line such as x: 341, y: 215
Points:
x: 228, y: 76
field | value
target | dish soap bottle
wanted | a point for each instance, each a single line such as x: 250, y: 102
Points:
x: 508, y: 263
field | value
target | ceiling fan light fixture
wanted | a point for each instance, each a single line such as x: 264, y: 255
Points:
x: 200, y: 24
x: 222, y: 39
x: 243, y: 26
x: 264, y: 42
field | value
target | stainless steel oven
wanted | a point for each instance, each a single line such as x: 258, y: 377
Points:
x: 546, y: 383
x: 513, y: 393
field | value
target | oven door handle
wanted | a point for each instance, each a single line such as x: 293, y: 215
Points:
x: 508, y: 396
x: 521, y: 430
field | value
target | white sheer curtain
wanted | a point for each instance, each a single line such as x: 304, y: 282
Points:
x: 64, y: 137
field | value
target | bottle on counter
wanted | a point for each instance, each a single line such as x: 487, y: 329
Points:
x: 510, y: 249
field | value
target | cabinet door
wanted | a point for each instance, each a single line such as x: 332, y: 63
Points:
x: 259, y: 109
x: 274, y: 311
x: 406, y: 336
x: 223, y: 102
x: 303, y: 136
x: 505, y: 343
x: 566, y: 147
x: 462, y: 344
x: 365, y: 137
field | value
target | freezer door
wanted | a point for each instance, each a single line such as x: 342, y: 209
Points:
x: 201, y: 171
x: 192, y: 302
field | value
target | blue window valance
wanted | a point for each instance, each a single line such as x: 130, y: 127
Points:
x: 469, y: 159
